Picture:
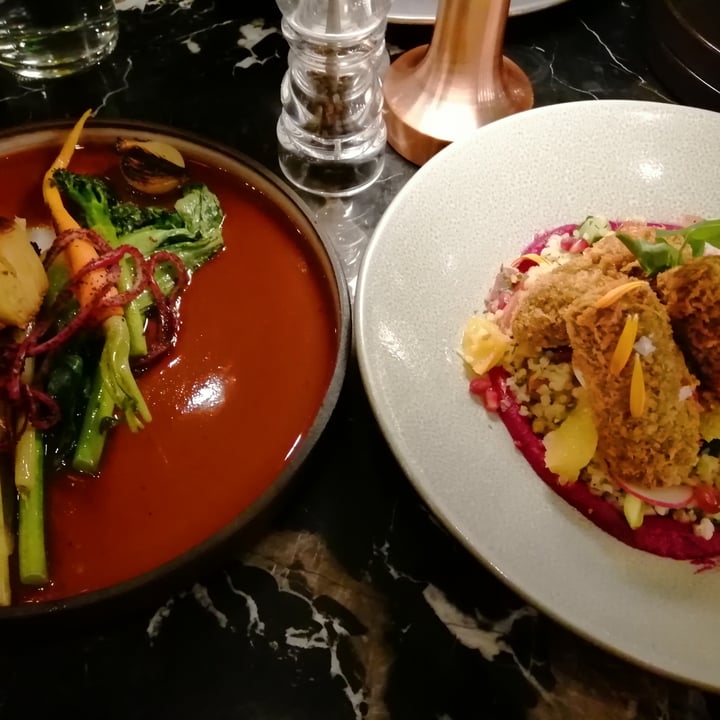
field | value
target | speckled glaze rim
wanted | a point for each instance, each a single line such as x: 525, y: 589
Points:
x: 154, y: 583
x: 389, y: 337
x: 423, y: 12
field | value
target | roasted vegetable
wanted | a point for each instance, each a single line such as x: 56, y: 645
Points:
x: 152, y: 167
x: 191, y: 232
x: 23, y: 282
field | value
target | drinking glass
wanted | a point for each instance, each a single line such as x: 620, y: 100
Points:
x: 51, y: 38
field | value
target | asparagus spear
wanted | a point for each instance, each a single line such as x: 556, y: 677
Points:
x: 7, y: 541
x: 29, y: 481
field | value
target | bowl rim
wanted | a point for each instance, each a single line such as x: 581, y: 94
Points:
x: 336, y: 286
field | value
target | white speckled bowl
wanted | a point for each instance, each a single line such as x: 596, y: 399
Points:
x: 428, y: 267
x: 423, y: 11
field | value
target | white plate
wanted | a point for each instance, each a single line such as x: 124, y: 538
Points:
x: 428, y: 267
x: 422, y: 12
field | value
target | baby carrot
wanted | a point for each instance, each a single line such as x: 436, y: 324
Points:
x: 78, y: 252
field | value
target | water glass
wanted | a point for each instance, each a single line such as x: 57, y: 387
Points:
x: 51, y: 38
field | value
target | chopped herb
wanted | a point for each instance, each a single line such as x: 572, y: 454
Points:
x: 593, y: 228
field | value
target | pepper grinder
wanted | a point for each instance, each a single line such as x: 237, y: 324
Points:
x: 437, y: 93
x: 331, y: 131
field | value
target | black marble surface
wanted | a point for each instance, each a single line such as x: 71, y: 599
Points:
x: 354, y: 603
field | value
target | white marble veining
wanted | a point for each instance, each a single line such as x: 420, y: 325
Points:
x: 476, y: 632
x: 251, y: 35
x: 383, y: 552
x: 299, y: 566
x: 324, y: 633
x: 143, y: 5
x: 190, y: 41
x: 255, y: 625
x: 159, y: 616
x: 489, y: 642
x: 200, y: 594
x: 26, y: 92
x: 550, y: 59
x: 124, y: 86
x: 489, y: 638
x: 618, y: 63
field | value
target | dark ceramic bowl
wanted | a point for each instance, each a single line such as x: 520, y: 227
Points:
x: 237, y: 405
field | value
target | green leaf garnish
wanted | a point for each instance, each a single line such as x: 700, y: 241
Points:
x: 705, y: 231
x: 658, y: 256
x: 653, y: 257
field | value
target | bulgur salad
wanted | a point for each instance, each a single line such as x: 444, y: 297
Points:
x: 599, y: 348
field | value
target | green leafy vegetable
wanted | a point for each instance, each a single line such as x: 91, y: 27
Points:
x: 192, y: 230
x: 697, y: 235
x: 653, y: 257
x: 69, y: 383
x: 661, y: 255
x: 92, y: 197
x: 128, y: 217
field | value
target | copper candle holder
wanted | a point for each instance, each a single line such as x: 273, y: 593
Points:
x: 438, y: 93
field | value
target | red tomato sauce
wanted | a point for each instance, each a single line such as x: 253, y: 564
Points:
x: 230, y: 403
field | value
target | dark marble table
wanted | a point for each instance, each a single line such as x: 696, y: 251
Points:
x: 354, y: 603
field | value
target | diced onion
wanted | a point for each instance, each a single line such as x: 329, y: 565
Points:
x: 634, y: 510
x: 704, y: 529
x: 686, y: 392
x: 644, y: 346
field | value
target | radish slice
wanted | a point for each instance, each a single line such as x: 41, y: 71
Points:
x: 674, y: 496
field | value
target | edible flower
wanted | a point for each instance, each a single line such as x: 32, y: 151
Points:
x: 625, y: 344
x: 634, y: 510
x: 637, y: 389
x: 614, y: 294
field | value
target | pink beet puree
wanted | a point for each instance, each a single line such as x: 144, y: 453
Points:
x: 658, y: 535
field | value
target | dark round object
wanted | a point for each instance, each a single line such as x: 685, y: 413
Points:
x: 683, y: 48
